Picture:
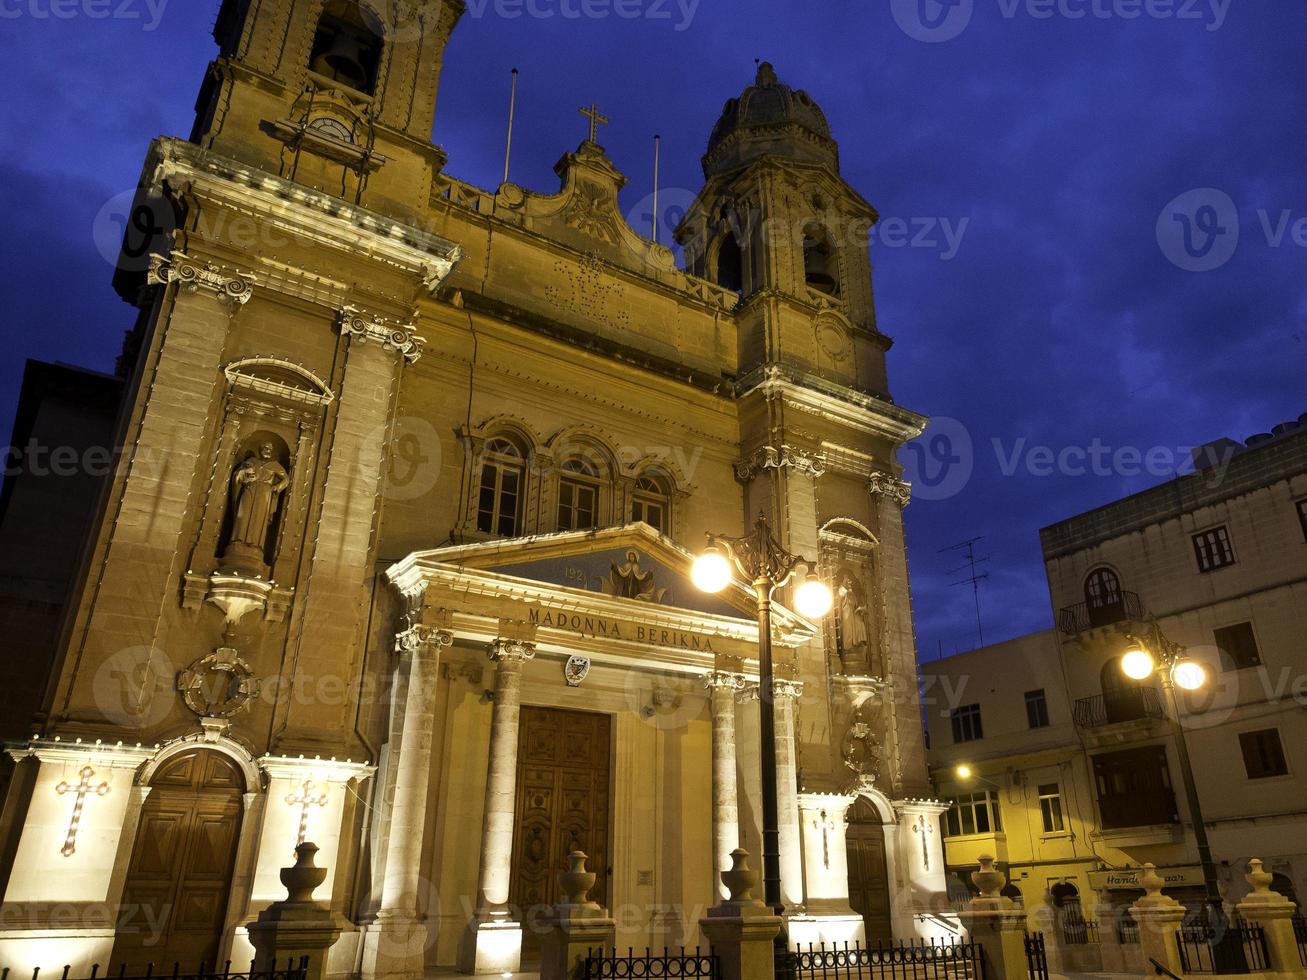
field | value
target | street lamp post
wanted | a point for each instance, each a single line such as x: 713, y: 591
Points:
x: 1154, y: 652
x: 760, y: 558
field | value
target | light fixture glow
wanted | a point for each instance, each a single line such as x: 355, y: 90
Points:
x: 813, y: 598
x: 1189, y: 675
x: 963, y: 771
x: 711, y: 571
x: 1137, y: 664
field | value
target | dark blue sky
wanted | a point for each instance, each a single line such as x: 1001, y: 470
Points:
x: 1072, y: 312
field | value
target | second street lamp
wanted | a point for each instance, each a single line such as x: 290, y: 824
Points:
x: 759, y: 557
x: 1154, y: 653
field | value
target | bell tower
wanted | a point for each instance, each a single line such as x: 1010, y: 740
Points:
x: 777, y: 223
x: 339, y: 95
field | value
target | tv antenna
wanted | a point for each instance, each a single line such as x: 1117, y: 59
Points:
x: 972, y: 564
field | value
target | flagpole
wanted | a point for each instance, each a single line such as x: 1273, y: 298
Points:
x: 657, y: 143
x: 512, y: 106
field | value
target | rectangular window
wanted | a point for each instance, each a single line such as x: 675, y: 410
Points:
x: 1238, y: 646
x: 1302, y: 517
x: 1263, y: 755
x: 974, y: 813
x: 1050, y: 806
x: 1036, y: 709
x: 649, y: 511
x: 966, y: 723
x: 576, y: 505
x: 1134, y: 788
x: 1212, y: 549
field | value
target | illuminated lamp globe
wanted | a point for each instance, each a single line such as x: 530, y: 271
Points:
x: 711, y: 571
x: 1189, y: 675
x: 963, y: 771
x: 813, y: 598
x: 1137, y: 664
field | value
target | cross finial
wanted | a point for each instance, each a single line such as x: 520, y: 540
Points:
x: 596, y: 118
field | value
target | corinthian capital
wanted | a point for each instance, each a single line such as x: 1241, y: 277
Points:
x: 511, y: 650
x: 232, y: 288
x: 777, y: 458
x: 364, y: 328
x: 882, y: 484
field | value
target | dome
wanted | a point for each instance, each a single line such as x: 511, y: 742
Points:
x: 769, y: 118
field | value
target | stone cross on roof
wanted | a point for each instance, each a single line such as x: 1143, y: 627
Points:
x: 596, y: 118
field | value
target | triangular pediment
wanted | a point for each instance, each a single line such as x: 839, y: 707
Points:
x: 634, y: 563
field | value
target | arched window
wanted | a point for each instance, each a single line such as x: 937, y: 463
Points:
x: 730, y: 264
x: 820, y: 267
x: 1102, y: 588
x: 347, y: 47
x: 499, y: 504
x: 651, y: 503
x: 578, y: 495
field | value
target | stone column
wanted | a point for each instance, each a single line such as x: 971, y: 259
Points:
x: 997, y: 924
x: 493, y: 941
x: 742, y: 930
x: 725, y: 794
x: 1159, y: 919
x: 787, y: 693
x: 1274, y: 913
x: 395, y: 944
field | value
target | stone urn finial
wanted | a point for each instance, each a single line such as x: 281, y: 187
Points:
x: 1151, y: 881
x: 303, y: 876
x: 988, y: 879
x: 1258, y: 877
x: 740, y: 880
x: 576, y: 882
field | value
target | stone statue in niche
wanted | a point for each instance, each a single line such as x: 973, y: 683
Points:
x: 257, y: 485
x: 853, y: 644
x: 630, y: 581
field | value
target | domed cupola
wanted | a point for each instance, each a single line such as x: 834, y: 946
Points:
x: 769, y: 119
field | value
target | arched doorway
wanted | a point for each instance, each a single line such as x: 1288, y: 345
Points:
x: 868, y: 875
x: 175, y: 897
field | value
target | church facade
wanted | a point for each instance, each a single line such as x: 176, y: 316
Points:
x: 399, y: 561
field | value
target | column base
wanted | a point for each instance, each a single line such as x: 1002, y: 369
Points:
x: 395, y: 945
x: 492, y: 943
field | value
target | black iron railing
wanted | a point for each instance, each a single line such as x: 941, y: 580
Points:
x: 1127, y: 931
x: 294, y: 970
x: 1077, y: 931
x: 680, y: 962
x: 1196, y: 939
x: 1130, y: 704
x: 905, y: 960
x: 1083, y: 617
x: 1036, y: 956
x: 1300, y: 934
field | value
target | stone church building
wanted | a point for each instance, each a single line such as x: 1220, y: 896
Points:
x: 398, y: 562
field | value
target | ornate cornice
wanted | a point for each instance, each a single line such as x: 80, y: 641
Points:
x: 364, y: 327
x: 882, y: 484
x: 776, y: 458
x: 193, y: 275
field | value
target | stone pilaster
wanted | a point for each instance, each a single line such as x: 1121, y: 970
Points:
x: 395, y: 944
x: 493, y: 941
x: 787, y: 694
x: 725, y: 793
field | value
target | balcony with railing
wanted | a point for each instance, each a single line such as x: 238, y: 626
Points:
x: 1118, y: 707
x: 1086, y: 616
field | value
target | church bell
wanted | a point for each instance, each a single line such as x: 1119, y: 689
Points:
x: 343, y: 61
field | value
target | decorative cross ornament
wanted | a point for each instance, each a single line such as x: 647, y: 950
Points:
x: 923, y: 827
x: 596, y: 118
x: 305, y: 798
x: 82, y: 789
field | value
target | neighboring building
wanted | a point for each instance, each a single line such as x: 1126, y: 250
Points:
x: 1074, y: 788
x: 57, y: 461
x: 398, y: 561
